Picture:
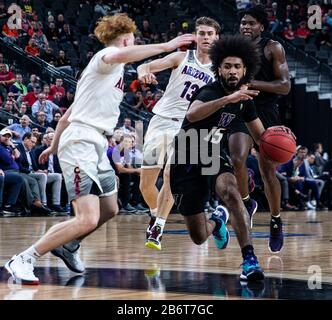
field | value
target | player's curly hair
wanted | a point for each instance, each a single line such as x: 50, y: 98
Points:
x: 236, y: 46
x: 110, y: 27
x: 259, y: 13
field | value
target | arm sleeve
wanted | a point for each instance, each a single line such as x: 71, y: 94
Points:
x: 249, y: 111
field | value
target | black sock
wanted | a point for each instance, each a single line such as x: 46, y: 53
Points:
x: 247, y: 250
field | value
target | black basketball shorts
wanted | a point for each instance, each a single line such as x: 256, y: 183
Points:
x: 190, y: 187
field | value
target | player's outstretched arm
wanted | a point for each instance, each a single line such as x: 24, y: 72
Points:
x: 140, y: 52
x: 62, y: 125
x: 146, y: 71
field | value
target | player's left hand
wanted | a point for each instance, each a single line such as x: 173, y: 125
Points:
x: 148, y: 78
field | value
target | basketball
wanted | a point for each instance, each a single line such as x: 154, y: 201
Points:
x: 278, y: 144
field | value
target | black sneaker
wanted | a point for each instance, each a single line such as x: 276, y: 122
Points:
x: 10, y: 210
x: 151, y: 223
x: 58, y: 211
x: 276, y: 240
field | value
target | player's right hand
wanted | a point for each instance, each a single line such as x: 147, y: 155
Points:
x: 45, y: 155
x: 148, y: 78
x: 242, y: 95
x: 183, y: 40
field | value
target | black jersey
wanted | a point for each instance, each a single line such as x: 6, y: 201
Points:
x: 211, y: 131
x: 265, y: 73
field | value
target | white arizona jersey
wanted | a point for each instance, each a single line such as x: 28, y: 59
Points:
x: 99, y: 93
x: 184, y: 81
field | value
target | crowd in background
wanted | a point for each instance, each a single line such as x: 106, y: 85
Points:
x: 31, y: 107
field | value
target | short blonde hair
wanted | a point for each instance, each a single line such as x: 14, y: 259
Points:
x: 110, y: 27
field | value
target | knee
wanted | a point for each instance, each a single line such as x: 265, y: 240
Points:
x: 88, y: 224
x: 238, y: 161
x: 197, y: 238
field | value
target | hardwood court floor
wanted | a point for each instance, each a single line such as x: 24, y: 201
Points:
x: 120, y: 267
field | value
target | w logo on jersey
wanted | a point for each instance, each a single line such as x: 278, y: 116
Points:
x: 226, y: 119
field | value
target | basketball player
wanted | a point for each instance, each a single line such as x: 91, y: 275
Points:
x: 198, y: 155
x: 81, y: 144
x: 190, y: 71
x: 272, y: 80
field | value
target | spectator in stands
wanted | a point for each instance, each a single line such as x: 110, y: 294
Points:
x: 328, y: 18
x: 11, y: 97
x: 117, y: 136
x: 46, y: 106
x: 323, y: 38
x: 66, y: 35
x: 289, y: 14
x: 11, y: 182
x: 57, y: 117
x: 2, y: 61
x: 302, y: 31
x: 53, y: 171
x: 7, y: 78
x: 120, y: 160
x: 32, y: 49
x: 41, y: 122
x: 148, y: 101
x: 47, y: 92
x: 52, y: 32
x: 34, y: 81
x: 3, y: 11
x: 48, y: 55
x: 319, y: 158
x: 40, y: 37
x: 8, y: 156
x: 10, y: 33
x: 57, y: 87
x: 18, y: 88
x: 60, y: 22
x: 67, y: 100
x: 23, y: 109
x: 28, y: 166
x: 85, y: 59
x: 172, y: 32
x: 135, y: 100
x: 6, y: 113
x: 146, y: 30
x: 62, y: 62
x: 32, y: 97
x: 127, y: 127
x: 101, y: 8
x: 289, y: 32
x: 20, y: 129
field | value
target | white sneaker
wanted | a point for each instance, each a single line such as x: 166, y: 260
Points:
x: 71, y: 259
x: 21, y: 270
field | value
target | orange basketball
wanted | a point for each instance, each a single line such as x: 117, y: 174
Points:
x: 278, y: 144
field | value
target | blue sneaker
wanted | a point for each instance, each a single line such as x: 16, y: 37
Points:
x: 251, y: 270
x: 276, y: 240
x: 221, y: 234
x: 251, y: 207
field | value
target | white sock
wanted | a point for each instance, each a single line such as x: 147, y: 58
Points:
x: 154, y: 212
x: 246, y: 198
x: 72, y: 245
x: 278, y: 216
x: 30, y: 253
x: 160, y: 222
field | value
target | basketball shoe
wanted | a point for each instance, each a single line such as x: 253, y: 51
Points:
x: 71, y: 258
x: 154, y: 239
x: 21, y: 270
x: 251, y: 270
x: 251, y: 206
x: 220, y: 234
x: 151, y: 223
x: 276, y: 240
